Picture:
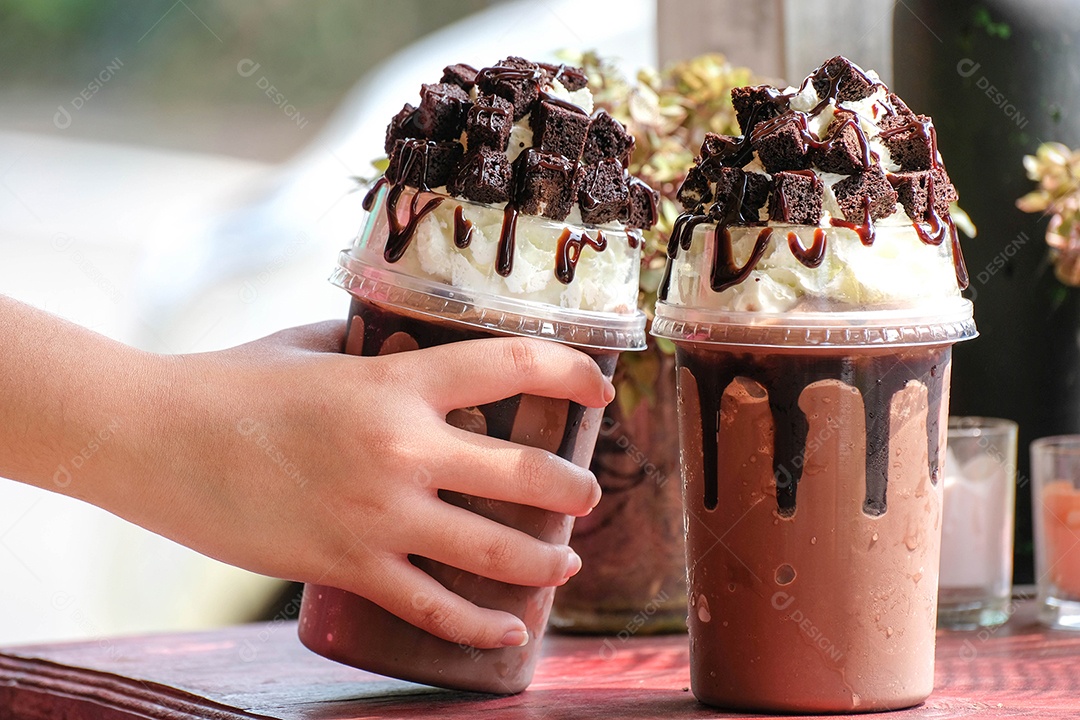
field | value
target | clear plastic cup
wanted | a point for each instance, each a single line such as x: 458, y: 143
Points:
x: 812, y: 444
x: 400, y: 306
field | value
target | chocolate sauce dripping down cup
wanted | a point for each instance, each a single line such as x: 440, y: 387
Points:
x: 811, y: 444
x: 396, y: 308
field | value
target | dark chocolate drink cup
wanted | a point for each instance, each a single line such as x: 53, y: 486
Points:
x: 395, y: 311
x: 812, y: 446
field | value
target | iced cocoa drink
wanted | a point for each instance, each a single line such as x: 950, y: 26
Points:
x: 813, y: 293
x: 506, y: 210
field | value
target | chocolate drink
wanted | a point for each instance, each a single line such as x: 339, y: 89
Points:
x: 813, y: 291
x: 814, y: 505
x: 355, y: 631
x: 532, y: 231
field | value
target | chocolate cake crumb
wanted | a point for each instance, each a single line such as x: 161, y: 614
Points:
x: 559, y: 130
x: 514, y: 79
x: 641, y: 205
x: 907, y: 138
x: 402, y: 126
x: 489, y: 122
x: 695, y: 190
x: 853, y: 192
x: 853, y: 82
x: 843, y: 153
x: 780, y: 145
x: 603, y: 192
x: 485, y: 176
x: 545, y: 184
x: 423, y: 164
x: 796, y: 198
x: 758, y: 103
x: 460, y: 74
x: 607, y: 138
x: 443, y: 107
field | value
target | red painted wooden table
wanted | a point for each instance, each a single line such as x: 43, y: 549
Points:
x: 262, y: 671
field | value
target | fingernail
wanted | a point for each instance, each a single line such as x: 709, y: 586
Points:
x: 515, y: 638
x: 609, y: 391
x: 573, y: 564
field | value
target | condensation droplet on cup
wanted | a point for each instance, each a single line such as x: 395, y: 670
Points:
x: 785, y: 574
x: 813, y: 540
x: 888, y: 632
x: 703, y: 610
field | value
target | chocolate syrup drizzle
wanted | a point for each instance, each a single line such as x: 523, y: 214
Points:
x: 812, y: 256
x: 569, y: 252
x: 463, y: 229
x: 737, y: 152
x: 784, y: 377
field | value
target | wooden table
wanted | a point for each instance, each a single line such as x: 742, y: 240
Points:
x: 262, y: 671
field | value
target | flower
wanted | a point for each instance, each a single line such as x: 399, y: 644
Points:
x: 1057, y: 170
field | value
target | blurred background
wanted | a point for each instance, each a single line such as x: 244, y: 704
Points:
x: 178, y: 175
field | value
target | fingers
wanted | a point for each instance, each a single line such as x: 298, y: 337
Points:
x: 477, y: 372
x: 417, y: 598
x: 492, y: 468
x: 326, y: 336
x: 467, y: 541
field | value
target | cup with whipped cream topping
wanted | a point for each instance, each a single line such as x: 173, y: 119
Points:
x: 506, y: 211
x: 813, y: 291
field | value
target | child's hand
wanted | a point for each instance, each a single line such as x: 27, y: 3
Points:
x: 289, y: 459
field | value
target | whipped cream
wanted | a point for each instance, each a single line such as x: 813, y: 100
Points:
x: 604, y: 281
x: 898, y: 270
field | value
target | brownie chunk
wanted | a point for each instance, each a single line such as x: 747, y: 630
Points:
x: 853, y: 84
x: 944, y: 190
x: 796, y: 198
x: 715, y: 150
x: 909, y: 139
x: 545, y: 184
x: 607, y: 138
x: 489, y: 122
x: 460, y: 74
x: 485, y: 176
x: 899, y: 105
x: 559, y: 129
x: 443, y: 107
x: 641, y: 205
x: 757, y: 104
x: 423, y: 164
x: 733, y: 182
x: 401, y: 127
x: 854, y: 192
x: 843, y: 152
x: 514, y: 79
x: 570, y: 77
x: 781, y: 145
x: 913, y: 191
x: 603, y: 192
x: 694, y: 191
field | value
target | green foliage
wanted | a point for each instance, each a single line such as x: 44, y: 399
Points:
x: 985, y: 22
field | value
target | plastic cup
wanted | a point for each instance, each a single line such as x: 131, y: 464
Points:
x: 1055, y: 474
x: 395, y: 308
x: 812, y: 444
x: 975, y: 587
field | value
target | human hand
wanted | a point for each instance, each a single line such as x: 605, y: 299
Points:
x: 290, y: 459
